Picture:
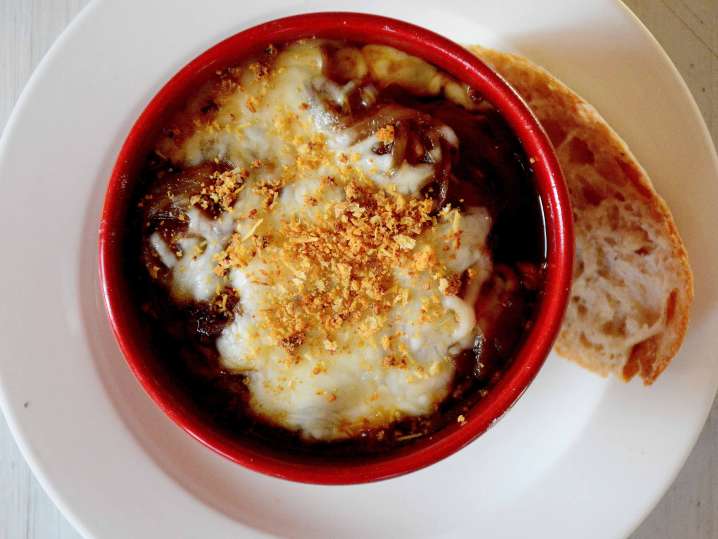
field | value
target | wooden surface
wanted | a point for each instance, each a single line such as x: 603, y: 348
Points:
x: 687, y: 29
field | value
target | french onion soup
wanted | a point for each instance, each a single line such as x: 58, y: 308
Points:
x: 337, y: 246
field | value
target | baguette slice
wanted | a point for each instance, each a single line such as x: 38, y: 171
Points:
x: 632, y: 288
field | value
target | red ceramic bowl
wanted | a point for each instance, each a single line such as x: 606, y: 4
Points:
x: 133, y: 337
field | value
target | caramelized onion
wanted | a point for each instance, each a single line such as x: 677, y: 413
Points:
x: 386, y: 115
x: 401, y: 138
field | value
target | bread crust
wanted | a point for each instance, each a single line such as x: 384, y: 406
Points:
x: 585, y: 142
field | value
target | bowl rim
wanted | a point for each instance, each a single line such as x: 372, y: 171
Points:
x: 549, y: 181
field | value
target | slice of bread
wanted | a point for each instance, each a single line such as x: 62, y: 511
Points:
x: 633, y: 286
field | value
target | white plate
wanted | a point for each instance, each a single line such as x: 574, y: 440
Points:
x: 578, y: 456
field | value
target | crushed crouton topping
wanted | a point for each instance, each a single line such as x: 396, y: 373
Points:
x: 339, y: 269
x: 386, y: 134
x: 223, y: 191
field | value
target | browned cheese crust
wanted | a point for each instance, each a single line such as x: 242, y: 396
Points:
x: 633, y: 286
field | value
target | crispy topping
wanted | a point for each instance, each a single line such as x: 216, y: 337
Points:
x: 223, y: 192
x: 337, y: 270
x: 260, y: 70
x: 293, y: 341
x: 386, y: 134
x: 400, y: 362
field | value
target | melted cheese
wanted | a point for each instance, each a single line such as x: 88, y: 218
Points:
x: 333, y: 394
x: 375, y: 370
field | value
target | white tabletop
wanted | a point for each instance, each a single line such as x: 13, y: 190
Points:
x: 687, y: 29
